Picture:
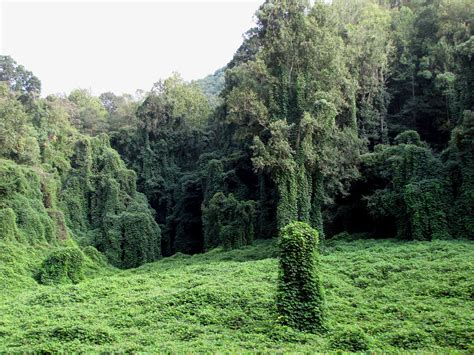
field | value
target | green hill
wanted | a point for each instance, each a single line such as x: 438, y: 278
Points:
x: 382, y: 295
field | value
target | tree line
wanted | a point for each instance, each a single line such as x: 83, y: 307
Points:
x: 352, y: 116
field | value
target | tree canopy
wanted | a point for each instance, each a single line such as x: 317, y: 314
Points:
x: 349, y: 116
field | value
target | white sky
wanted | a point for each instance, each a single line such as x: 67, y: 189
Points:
x: 121, y: 46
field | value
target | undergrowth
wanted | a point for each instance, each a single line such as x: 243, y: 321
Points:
x: 381, y: 295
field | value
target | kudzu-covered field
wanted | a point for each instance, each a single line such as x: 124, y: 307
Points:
x: 382, y: 295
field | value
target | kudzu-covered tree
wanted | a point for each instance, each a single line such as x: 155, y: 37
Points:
x: 412, y: 188
x: 57, y: 184
x: 300, y: 296
x: 104, y: 208
x: 228, y: 222
x: 287, y: 100
x: 63, y: 265
x: 164, y: 149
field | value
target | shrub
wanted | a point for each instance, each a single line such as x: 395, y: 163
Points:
x: 410, y: 338
x: 63, y: 265
x: 349, y: 339
x: 300, y: 299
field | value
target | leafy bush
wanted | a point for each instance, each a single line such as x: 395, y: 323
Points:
x: 300, y: 299
x: 63, y: 265
x: 410, y: 338
x: 350, y: 338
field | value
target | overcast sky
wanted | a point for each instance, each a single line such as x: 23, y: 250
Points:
x: 121, y: 46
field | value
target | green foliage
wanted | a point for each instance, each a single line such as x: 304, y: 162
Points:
x: 183, y: 101
x: 164, y: 150
x: 63, y: 265
x: 8, y: 228
x: 228, y: 222
x: 100, y: 194
x: 410, y: 338
x: 285, y: 102
x: 23, y: 192
x: 300, y: 298
x: 121, y: 112
x: 212, y: 85
x: 56, y: 183
x: 311, y: 87
x: 365, y: 29
x: 17, y: 140
x: 409, y: 137
x: 80, y: 333
x: 351, y: 339
x: 132, y: 237
x: 414, y: 189
x: 459, y: 158
x: 431, y: 81
x: 87, y: 112
x: 95, y: 255
x: 223, y: 301
x: 427, y: 210
x: 17, y: 77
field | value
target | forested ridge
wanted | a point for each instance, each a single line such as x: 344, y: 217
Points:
x: 355, y: 117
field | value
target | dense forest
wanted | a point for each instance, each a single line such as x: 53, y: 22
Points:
x: 355, y: 117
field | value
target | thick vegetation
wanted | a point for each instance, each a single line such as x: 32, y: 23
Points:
x: 300, y: 297
x: 63, y: 265
x: 381, y: 296
x: 348, y: 116
x: 352, y: 118
x: 59, y: 187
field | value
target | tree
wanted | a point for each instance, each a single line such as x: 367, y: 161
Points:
x: 121, y: 111
x: 185, y: 101
x: 17, y: 139
x: 412, y: 188
x: 17, y: 78
x: 88, y: 114
x: 288, y: 101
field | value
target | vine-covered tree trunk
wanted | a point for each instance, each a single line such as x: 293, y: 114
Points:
x: 300, y: 297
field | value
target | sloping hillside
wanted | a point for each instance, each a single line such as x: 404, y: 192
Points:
x: 382, y: 295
